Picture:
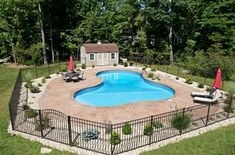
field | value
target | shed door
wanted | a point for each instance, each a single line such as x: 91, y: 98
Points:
x: 102, y: 59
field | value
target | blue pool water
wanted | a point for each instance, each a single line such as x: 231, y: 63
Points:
x: 120, y: 87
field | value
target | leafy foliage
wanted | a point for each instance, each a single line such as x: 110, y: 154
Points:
x: 115, y: 138
x: 148, y: 130
x: 83, y: 66
x: 180, y: 121
x: 126, y: 129
x: 229, y: 104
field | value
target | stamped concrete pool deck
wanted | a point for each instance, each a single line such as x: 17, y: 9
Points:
x: 59, y: 96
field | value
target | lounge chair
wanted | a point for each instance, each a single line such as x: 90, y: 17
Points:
x: 208, y: 94
x: 81, y: 77
x: 207, y: 100
x: 4, y: 60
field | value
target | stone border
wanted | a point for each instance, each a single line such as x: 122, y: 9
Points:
x: 154, y: 146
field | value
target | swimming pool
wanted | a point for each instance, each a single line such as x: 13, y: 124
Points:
x: 121, y: 87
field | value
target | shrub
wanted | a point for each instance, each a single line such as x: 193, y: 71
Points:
x: 150, y: 75
x: 125, y: 64
x: 114, y: 64
x: 83, y: 66
x: 157, y: 125
x: 46, y: 123
x: 144, y: 68
x: 126, y: 129
x: 189, y: 79
x: 153, y: 68
x: 28, y: 84
x: 131, y: 63
x: 115, y: 138
x: 200, y: 85
x: 148, y: 130
x: 34, y: 89
x: 229, y: 106
x: 93, y: 66
x: 43, y: 80
x: 39, y: 84
x: 180, y: 121
x: 30, y: 113
x: 47, y: 76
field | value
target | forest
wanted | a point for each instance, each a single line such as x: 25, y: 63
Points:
x: 191, y: 31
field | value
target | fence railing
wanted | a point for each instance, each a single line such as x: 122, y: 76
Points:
x: 103, y: 137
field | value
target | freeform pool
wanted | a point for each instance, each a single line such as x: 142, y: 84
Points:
x: 120, y: 87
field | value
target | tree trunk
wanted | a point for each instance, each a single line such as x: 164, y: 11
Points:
x: 43, y: 35
x: 52, y: 49
x: 170, y: 45
x: 14, y: 54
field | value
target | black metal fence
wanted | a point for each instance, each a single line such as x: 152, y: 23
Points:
x: 102, y: 137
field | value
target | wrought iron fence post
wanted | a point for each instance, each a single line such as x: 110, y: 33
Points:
x: 181, y: 124
x: 40, y: 121
x: 150, y: 135
x: 178, y: 71
x: 49, y: 69
x: 111, y: 139
x: 36, y: 71
x: 70, y: 131
x: 208, y: 113
x: 205, y: 81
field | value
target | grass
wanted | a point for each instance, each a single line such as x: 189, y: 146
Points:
x: 14, y: 145
x: 218, y: 142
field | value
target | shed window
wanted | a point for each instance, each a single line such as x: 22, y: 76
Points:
x: 112, y: 56
x: 92, y: 57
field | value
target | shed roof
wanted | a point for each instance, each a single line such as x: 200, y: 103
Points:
x: 101, y: 48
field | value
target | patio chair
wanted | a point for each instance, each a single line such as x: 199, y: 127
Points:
x: 208, y: 94
x: 81, y: 76
x: 207, y: 100
x: 4, y: 60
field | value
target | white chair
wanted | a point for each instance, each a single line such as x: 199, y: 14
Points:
x: 210, y: 93
x: 207, y: 100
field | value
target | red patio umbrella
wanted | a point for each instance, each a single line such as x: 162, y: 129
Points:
x: 71, y: 63
x: 217, y: 82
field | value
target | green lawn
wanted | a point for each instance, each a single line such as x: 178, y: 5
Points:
x: 13, y: 145
x: 218, y: 142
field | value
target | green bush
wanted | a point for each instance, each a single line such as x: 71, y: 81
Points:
x: 125, y: 64
x: 47, y: 76
x: 30, y: 113
x: 39, y: 84
x: 150, y: 75
x: 189, y: 79
x: 43, y: 80
x: 148, y: 130
x: 46, y: 123
x: 115, y: 138
x: 206, y: 63
x: 126, y: 129
x: 229, y: 106
x: 200, y: 85
x: 143, y: 68
x: 28, y: 84
x: 131, y: 63
x: 83, y: 66
x: 157, y: 125
x: 153, y: 68
x: 180, y: 121
x: 34, y: 89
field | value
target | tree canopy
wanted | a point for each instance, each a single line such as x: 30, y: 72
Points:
x: 155, y: 28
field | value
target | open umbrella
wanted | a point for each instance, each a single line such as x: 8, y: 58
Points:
x: 217, y: 82
x: 71, y: 63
